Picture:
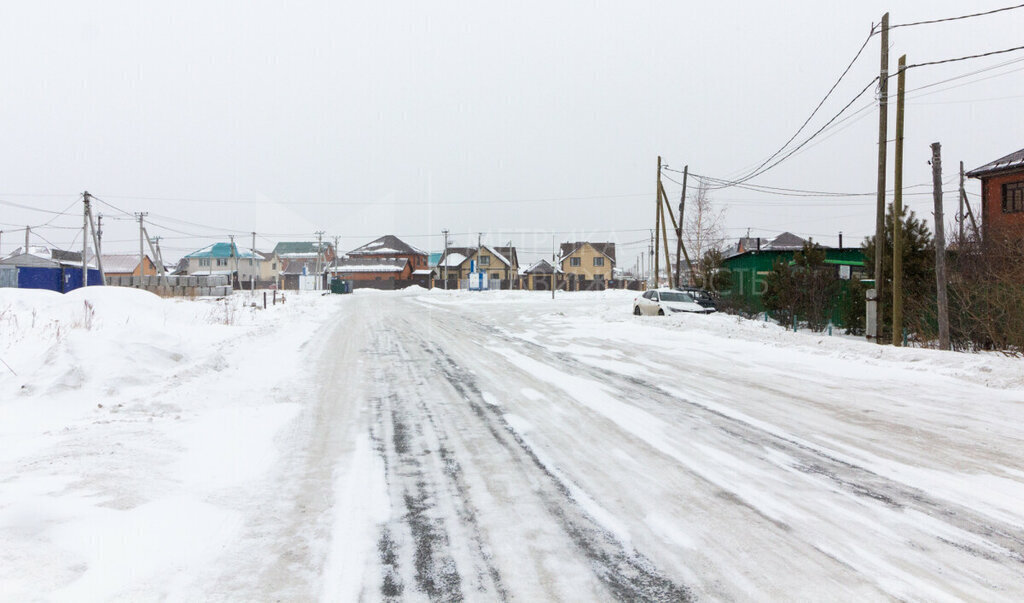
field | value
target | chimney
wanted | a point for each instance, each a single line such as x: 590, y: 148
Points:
x: 759, y: 243
x: 840, y: 240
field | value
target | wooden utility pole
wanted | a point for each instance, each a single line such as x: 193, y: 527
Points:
x: 87, y: 198
x: 897, y: 230
x: 677, y: 226
x: 883, y: 117
x: 960, y: 214
x: 142, y: 253
x: 940, y: 248
x: 233, y: 260
x: 657, y: 223
x: 679, y: 229
x: 254, y: 263
x: 28, y: 229
x: 85, y: 239
x: 664, y: 237
x: 445, y: 257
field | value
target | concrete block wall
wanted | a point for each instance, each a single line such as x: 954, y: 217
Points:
x: 176, y: 286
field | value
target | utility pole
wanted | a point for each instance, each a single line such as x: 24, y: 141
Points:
x: 883, y: 129
x: 897, y: 226
x: 664, y: 237
x: 940, y: 247
x: 657, y: 223
x: 85, y: 239
x: 554, y: 271
x: 142, y: 253
x: 28, y: 229
x: 99, y: 234
x: 960, y: 215
x: 87, y: 199
x: 253, y: 264
x: 319, y: 252
x: 444, y: 256
x: 679, y: 230
x: 686, y: 256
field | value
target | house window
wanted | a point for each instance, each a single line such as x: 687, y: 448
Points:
x: 598, y: 261
x: 222, y: 262
x: 1013, y: 197
x: 485, y: 260
x: 204, y: 261
x: 273, y: 266
x: 496, y: 276
x: 574, y: 261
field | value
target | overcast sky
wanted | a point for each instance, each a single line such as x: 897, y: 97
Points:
x: 514, y: 119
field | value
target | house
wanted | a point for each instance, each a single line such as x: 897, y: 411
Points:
x: 384, y: 263
x: 223, y: 259
x: 270, y: 268
x: 1002, y: 195
x: 43, y: 268
x: 750, y: 261
x: 307, y: 253
x: 500, y: 264
x: 587, y: 265
x: 127, y: 264
x: 539, y: 276
x: 375, y: 273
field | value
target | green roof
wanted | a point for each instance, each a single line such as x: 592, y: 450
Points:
x: 219, y: 250
x: 297, y: 247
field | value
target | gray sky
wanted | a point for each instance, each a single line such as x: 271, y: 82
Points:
x: 513, y: 119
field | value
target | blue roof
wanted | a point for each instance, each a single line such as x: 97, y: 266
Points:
x: 434, y: 259
x: 219, y: 250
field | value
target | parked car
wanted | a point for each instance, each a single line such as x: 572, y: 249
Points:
x: 667, y: 301
x: 701, y: 296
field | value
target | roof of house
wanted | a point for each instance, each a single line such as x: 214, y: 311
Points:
x: 266, y: 255
x: 43, y: 256
x: 298, y: 266
x: 299, y: 249
x: 786, y: 241
x: 120, y: 262
x: 369, y: 265
x: 433, y: 259
x: 540, y: 267
x: 606, y: 249
x: 387, y: 245
x: 456, y: 256
x: 220, y: 250
x: 1013, y: 161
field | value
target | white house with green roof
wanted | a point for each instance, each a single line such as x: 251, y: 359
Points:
x: 226, y: 259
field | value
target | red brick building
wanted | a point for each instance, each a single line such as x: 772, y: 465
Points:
x: 386, y: 263
x: 1002, y: 195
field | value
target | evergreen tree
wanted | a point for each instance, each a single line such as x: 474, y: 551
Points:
x: 918, y: 275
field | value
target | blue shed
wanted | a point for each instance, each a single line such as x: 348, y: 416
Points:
x: 39, y: 269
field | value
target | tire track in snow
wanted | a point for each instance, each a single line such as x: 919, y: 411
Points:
x: 628, y: 575
x: 421, y: 467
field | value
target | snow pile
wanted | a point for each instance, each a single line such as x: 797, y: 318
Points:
x: 133, y: 426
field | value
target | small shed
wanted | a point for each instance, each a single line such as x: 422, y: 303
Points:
x: 42, y: 268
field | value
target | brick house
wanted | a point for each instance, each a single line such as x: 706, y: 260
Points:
x: 1002, y: 195
x: 384, y: 263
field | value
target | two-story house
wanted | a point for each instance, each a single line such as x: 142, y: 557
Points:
x: 499, y: 263
x: 587, y: 265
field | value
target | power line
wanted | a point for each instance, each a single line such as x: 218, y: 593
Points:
x: 964, y: 58
x: 990, y: 12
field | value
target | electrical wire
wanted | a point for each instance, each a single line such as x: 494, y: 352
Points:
x: 963, y: 58
x: 982, y: 14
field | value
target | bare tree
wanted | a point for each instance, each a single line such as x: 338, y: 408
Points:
x: 702, y: 229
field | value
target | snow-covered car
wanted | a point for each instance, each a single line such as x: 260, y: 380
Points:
x: 667, y: 301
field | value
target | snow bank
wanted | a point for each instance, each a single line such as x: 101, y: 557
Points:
x: 133, y: 426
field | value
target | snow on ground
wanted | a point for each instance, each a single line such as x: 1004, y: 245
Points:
x: 131, y: 431
x: 499, y: 445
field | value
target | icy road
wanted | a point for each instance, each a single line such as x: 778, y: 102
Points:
x: 532, y: 451
x: 450, y: 446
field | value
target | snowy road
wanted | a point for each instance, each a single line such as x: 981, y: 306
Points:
x: 500, y: 446
x: 507, y: 451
